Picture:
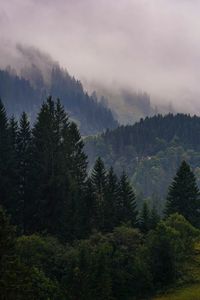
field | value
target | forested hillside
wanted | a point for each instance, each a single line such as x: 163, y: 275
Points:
x: 66, y: 234
x: 25, y: 93
x: 150, y: 150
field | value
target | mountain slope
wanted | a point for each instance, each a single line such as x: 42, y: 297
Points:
x: 150, y: 151
x: 27, y: 92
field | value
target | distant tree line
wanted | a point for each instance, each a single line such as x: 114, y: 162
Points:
x: 25, y: 93
x: 150, y: 151
x: 151, y: 134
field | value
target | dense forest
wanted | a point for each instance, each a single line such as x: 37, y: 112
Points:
x: 25, y: 93
x: 150, y: 151
x: 66, y: 234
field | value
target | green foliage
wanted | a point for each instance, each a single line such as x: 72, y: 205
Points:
x: 54, y: 199
x: 115, y: 201
x: 18, y: 280
x: 108, y: 267
x: 98, y: 179
x: 127, y: 202
x: 148, y: 218
x: 150, y: 151
x: 144, y: 220
x: 183, y: 196
x: 24, y: 157
x: 169, y: 246
x: 183, y: 293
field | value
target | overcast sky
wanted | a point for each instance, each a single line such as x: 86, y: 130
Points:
x: 149, y: 45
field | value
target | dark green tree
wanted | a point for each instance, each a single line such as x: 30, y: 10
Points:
x: 49, y: 176
x: 58, y: 172
x: 183, y: 195
x: 12, y: 170
x: 154, y: 217
x: 145, y: 218
x: 24, y: 156
x: 111, y: 200
x: 76, y: 164
x: 86, y: 211
x: 4, y: 156
x: 127, y: 208
x: 99, y: 179
x: 7, y: 242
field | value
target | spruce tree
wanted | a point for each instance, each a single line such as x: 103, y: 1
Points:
x: 76, y: 163
x: 183, y: 195
x: 4, y: 156
x: 99, y: 179
x: 24, y: 156
x: 86, y: 211
x: 49, y: 176
x: 12, y: 170
x: 111, y: 201
x: 77, y: 159
x: 154, y: 217
x: 127, y: 208
x: 58, y: 172
x: 145, y: 218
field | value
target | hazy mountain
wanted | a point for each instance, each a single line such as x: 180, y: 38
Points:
x: 26, y: 92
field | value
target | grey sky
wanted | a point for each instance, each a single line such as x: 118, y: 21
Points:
x: 151, y: 45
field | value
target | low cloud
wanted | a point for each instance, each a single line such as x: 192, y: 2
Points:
x: 139, y: 45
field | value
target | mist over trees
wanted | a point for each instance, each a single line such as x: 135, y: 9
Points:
x: 25, y: 93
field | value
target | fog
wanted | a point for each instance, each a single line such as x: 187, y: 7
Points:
x: 138, y: 45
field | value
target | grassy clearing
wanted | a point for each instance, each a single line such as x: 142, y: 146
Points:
x: 187, y: 293
x: 190, y: 287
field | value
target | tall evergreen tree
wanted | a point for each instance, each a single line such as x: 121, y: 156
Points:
x: 86, y: 211
x: 145, y: 218
x: 99, y: 179
x: 111, y: 200
x: 12, y: 170
x: 77, y: 159
x: 76, y: 163
x: 127, y: 205
x: 49, y: 178
x: 183, y: 195
x: 154, y: 217
x: 4, y: 156
x: 24, y: 156
x: 58, y: 171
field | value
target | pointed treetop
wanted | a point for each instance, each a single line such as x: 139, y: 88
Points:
x: 183, y: 195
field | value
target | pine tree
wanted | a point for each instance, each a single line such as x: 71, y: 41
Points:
x: 127, y: 208
x: 145, y: 218
x: 98, y: 179
x: 183, y: 195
